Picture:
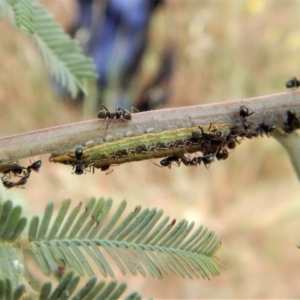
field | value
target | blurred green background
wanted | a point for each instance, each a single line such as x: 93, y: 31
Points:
x: 225, y: 50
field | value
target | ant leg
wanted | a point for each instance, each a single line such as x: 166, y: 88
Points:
x: 160, y: 166
x: 209, y: 126
x: 107, y: 124
x: 103, y: 106
x: 157, y: 164
x: 201, y: 129
x: 109, y: 171
x: 134, y: 110
x: 103, y: 113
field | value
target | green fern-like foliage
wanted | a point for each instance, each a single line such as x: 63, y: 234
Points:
x: 8, y: 292
x: 85, y: 239
x: 138, y: 243
x: 6, y: 11
x: 68, y: 65
x: 67, y: 288
x: 90, y: 290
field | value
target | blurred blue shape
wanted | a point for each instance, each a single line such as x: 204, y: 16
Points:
x: 118, y: 43
x: 115, y: 34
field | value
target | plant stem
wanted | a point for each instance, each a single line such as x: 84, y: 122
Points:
x: 270, y: 109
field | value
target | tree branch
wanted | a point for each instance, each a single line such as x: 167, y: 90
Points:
x: 270, y: 109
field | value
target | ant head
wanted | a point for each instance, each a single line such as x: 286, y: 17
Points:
x: 78, y: 153
x: 244, y: 111
x: 291, y: 113
x: 165, y: 162
x: 126, y: 114
x: 270, y: 128
x: 208, y: 158
x: 292, y: 83
x: 36, y: 165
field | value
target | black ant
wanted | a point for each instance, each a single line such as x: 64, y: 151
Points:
x: 16, y: 170
x: 264, y: 129
x: 167, y: 162
x: 214, y: 134
x: 292, y: 83
x: 78, y: 165
x: 9, y: 184
x: 292, y: 122
x: 120, y: 113
x: 244, y: 112
x: 35, y: 166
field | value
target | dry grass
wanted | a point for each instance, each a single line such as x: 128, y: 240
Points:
x: 226, y: 50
